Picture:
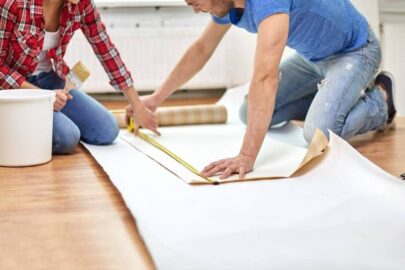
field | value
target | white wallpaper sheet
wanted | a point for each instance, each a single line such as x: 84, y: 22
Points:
x: 343, y: 213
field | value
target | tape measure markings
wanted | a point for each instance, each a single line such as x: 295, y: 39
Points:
x: 153, y: 142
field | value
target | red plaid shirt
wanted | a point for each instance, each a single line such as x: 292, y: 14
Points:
x: 22, y: 31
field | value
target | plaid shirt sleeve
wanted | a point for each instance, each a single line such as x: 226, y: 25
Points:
x: 96, y: 34
x: 9, y: 79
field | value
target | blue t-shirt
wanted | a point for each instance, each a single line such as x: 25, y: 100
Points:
x: 318, y: 28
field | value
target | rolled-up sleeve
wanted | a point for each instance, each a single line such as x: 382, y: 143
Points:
x: 9, y: 78
x: 95, y: 32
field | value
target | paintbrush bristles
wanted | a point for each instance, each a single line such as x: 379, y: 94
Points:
x: 80, y: 71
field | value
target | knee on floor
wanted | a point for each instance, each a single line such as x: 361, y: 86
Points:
x: 310, y: 128
x: 105, y: 134
x: 66, y: 142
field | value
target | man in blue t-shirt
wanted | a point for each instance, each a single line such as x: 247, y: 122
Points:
x: 329, y: 82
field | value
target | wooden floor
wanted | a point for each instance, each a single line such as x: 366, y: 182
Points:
x: 67, y: 215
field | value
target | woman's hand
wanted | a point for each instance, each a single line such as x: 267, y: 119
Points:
x: 143, y: 117
x: 61, y: 98
x: 237, y: 165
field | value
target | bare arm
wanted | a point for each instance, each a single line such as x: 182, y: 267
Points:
x: 272, y: 38
x: 192, y: 61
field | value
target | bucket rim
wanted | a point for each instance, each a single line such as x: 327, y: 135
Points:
x: 6, y: 95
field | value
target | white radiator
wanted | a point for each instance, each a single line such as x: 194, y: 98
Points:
x: 151, y: 41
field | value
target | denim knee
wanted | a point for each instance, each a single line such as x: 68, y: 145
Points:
x: 105, y: 134
x: 65, y: 141
x: 110, y: 133
x: 310, y: 127
x: 243, y: 110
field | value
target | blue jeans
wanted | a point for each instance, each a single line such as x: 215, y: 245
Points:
x: 83, y: 118
x: 336, y: 93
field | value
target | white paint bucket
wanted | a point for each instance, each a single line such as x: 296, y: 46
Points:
x: 26, y: 121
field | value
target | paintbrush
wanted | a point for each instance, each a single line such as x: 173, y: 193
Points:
x: 76, y: 77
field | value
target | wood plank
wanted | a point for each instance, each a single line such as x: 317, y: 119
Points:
x: 67, y: 214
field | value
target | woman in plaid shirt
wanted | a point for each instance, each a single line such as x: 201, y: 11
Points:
x: 34, y: 35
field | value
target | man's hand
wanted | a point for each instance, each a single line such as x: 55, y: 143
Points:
x: 61, y: 98
x: 237, y: 165
x: 142, y: 117
x: 150, y: 102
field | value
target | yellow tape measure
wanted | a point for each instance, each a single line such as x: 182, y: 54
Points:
x: 145, y: 137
